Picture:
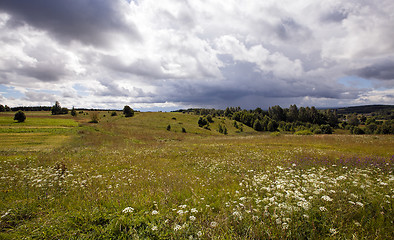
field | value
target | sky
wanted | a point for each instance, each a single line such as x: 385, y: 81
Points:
x: 173, y: 54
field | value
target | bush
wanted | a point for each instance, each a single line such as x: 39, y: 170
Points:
x: 356, y: 130
x: 94, y: 118
x: 202, y: 122
x: 326, y: 129
x: 304, y: 132
x: 73, y: 112
x: 128, y: 111
x: 168, y: 127
x: 114, y: 114
x: 183, y: 130
x: 20, y: 116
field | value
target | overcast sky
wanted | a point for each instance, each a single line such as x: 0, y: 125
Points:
x: 172, y: 54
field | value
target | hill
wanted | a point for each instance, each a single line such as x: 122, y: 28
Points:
x: 365, y: 109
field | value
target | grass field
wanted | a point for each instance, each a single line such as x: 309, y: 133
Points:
x: 130, y: 178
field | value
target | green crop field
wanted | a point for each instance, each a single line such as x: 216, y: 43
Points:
x: 131, y: 178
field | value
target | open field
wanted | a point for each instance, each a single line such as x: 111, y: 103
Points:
x: 63, y: 178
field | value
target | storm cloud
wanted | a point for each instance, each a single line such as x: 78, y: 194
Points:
x: 177, y: 54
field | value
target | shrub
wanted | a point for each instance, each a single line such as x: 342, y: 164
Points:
x: 168, y: 127
x: 183, y: 130
x: 73, y: 112
x: 114, y: 114
x: 209, y: 119
x: 303, y: 132
x: 202, y: 122
x: 128, y: 111
x: 356, y: 130
x: 20, y: 116
x: 94, y: 118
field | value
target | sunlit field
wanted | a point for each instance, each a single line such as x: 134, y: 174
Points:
x: 130, y: 178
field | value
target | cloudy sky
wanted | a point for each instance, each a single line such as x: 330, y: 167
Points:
x: 172, y: 54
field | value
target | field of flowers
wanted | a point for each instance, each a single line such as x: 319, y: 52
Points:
x: 119, y: 180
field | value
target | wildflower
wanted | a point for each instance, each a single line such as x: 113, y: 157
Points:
x: 278, y: 221
x: 285, y: 226
x: 180, y: 212
x: 351, y: 202
x: 237, y: 214
x: 182, y: 206
x: 199, y: 233
x: 213, y: 224
x: 128, y: 210
x: 177, y: 227
x: 154, y: 212
x: 333, y: 231
x: 326, y: 198
x: 360, y: 204
x: 192, y: 218
x: 255, y: 218
x: 154, y: 228
x: 323, y: 209
x: 193, y: 210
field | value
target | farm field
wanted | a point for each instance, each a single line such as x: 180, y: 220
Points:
x: 130, y: 178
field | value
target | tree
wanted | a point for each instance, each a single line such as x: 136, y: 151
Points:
x: 73, y: 112
x: 20, y: 116
x: 292, y: 114
x: 276, y: 113
x: 128, y: 111
x: 353, y: 120
x: 56, y: 109
x: 7, y: 108
x: 2, y: 108
x: 257, y: 125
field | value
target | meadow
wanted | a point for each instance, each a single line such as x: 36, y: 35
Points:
x: 131, y: 178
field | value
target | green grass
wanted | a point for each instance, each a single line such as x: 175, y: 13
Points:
x: 127, y: 178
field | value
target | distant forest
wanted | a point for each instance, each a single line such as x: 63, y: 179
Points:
x: 370, y: 119
x: 374, y: 119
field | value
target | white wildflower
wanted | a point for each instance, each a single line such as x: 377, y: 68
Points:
x: 213, y: 224
x: 351, y: 202
x: 193, y: 210
x: 333, y: 231
x: 199, y: 233
x: 128, y: 210
x: 177, y: 227
x: 278, y: 221
x: 154, y: 212
x: 323, y: 209
x: 360, y: 204
x: 326, y: 198
x: 285, y: 226
x: 180, y: 212
x: 192, y: 218
x: 154, y: 228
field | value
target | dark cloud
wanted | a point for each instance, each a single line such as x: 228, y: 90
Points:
x: 87, y: 21
x: 381, y: 71
x: 33, y: 96
x: 42, y: 73
x: 335, y: 15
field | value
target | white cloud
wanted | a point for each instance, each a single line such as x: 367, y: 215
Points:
x: 196, y: 53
